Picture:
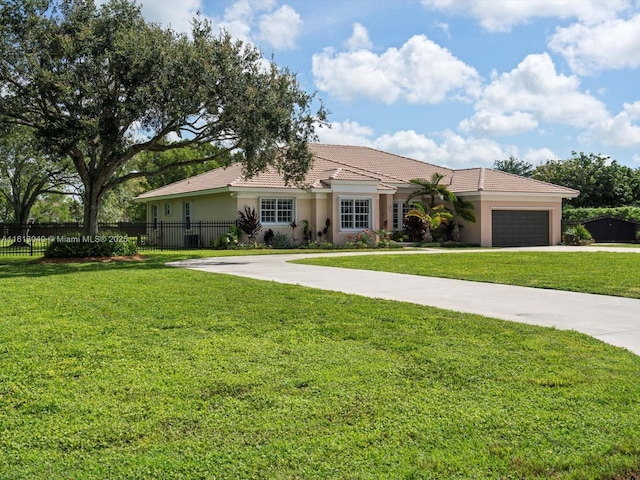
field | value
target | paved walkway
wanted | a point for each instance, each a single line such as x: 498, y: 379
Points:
x: 614, y: 320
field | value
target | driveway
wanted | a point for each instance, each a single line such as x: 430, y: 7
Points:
x: 614, y: 320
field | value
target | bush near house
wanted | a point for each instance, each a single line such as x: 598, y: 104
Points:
x: 577, y: 235
x: 77, y: 245
x: 580, y: 215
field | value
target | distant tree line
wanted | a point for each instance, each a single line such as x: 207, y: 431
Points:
x: 602, y: 182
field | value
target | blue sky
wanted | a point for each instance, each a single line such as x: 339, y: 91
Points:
x: 459, y: 83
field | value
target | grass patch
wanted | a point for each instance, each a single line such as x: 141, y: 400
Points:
x: 606, y: 273
x: 137, y: 370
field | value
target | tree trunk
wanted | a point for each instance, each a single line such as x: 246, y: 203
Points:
x: 455, y: 233
x: 93, y: 197
x: 428, y: 238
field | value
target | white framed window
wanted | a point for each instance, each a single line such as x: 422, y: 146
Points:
x: 154, y: 215
x: 277, y: 211
x: 355, y: 213
x: 400, y: 209
x: 186, y: 215
x: 167, y: 209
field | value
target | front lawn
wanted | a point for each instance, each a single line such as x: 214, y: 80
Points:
x: 136, y: 370
x: 607, y: 273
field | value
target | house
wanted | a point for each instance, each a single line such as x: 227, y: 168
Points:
x: 358, y: 188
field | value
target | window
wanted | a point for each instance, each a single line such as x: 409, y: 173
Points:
x: 400, y: 209
x: 186, y: 215
x: 154, y: 215
x: 276, y: 210
x: 355, y: 213
x: 167, y: 209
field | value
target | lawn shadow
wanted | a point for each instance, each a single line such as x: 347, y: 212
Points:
x: 20, y: 267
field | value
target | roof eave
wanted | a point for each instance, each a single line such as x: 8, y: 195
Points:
x: 171, y: 196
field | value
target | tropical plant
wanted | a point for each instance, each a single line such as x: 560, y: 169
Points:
x: 577, y: 235
x: 462, y: 210
x: 281, y: 240
x: 432, y: 188
x: 306, y: 231
x: 228, y: 240
x: 268, y: 237
x: 249, y: 223
x: 431, y: 217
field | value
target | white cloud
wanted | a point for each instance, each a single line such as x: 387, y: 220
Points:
x: 531, y: 93
x: 496, y: 123
x: 346, y: 133
x: 538, y: 156
x: 623, y: 130
x: 613, y: 44
x: 444, y: 27
x: 419, y: 72
x: 501, y: 15
x: 359, y: 39
x: 169, y: 13
x: 411, y: 144
x: 277, y: 27
x: 281, y: 28
x: 636, y: 158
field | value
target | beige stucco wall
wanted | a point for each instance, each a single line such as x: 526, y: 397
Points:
x: 316, y: 207
x: 339, y: 236
x: 481, y: 231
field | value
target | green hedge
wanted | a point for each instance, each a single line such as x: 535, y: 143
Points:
x: 579, y: 215
x: 105, y: 244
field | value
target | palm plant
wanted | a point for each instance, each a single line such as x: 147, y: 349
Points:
x: 431, y: 217
x: 462, y: 210
x: 432, y: 188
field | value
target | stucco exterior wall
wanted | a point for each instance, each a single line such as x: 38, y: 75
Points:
x: 481, y: 232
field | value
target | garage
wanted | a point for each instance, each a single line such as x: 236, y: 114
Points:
x: 519, y: 228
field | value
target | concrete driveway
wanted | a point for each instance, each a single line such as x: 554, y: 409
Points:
x: 613, y: 320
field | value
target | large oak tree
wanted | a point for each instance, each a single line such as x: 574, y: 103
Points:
x: 100, y: 84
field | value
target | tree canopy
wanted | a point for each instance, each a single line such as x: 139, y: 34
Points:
x: 602, y: 182
x: 26, y: 173
x: 99, y: 84
x: 514, y: 165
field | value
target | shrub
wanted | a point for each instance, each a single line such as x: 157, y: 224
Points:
x: 577, y: 235
x: 414, y: 228
x: 228, y: 240
x: 630, y: 214
x: 78, y: 245
x: 281, y: 240
x: 249, y: 223
x: 268, y: 237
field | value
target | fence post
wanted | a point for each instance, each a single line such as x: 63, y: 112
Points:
x: 161, y: 236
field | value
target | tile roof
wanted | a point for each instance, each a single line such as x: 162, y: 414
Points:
x: 358, y: 164
x: 489, y: 180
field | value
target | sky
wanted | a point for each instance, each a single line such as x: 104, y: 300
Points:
x: 458, y: 83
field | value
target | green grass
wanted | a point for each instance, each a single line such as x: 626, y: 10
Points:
x: 139, y: 371
x: 607, y: 273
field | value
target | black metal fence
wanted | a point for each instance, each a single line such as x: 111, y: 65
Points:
x: 34, y: 238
